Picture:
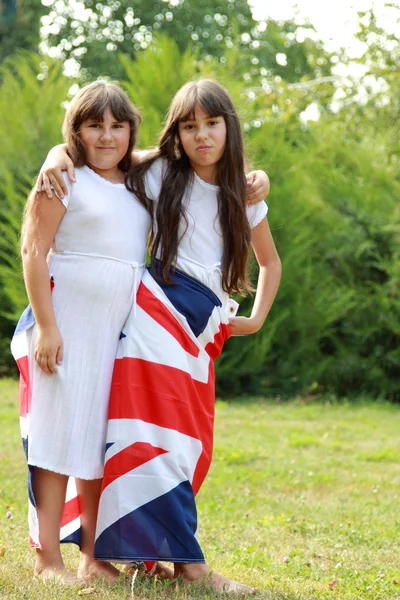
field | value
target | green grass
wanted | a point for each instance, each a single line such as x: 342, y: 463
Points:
x: 299, y: 496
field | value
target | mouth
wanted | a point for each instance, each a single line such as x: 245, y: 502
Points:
x: 203, y: 148
x: 105, y: 148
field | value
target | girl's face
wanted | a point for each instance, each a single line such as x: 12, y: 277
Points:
x: 203, y: 140
x: 106, y: 143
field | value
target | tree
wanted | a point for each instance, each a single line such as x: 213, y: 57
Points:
x: 371, y: 103
x: 19, y: 26
x: 91, y: 33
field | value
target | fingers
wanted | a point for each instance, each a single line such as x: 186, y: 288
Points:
x: 254, y: 195
x: 53, y: 181
x: 71, y: 173
x: 39, y: 183
x: 58, y: 183
x: 59, y: 356
x: 251, y: 179
x: 46, y: 362
x: 42, y: 361
x: 46, y: 185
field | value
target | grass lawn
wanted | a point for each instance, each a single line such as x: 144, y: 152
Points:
x: 302, y: 502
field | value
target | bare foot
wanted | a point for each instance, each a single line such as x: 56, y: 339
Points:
x: 97, y: 569
x: 61, y: 576
x: 200, y: 572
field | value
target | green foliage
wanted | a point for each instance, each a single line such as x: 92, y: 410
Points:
x: 310, y: 482
x: 212, y: 27
x: 334, y: 215
x: 19, y: 26
x: 32, y: 93
x: 150, y: 84
x: 335, y: 218
x: 376, y: 117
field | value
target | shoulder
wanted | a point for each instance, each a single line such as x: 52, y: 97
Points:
x: 158, y: 168
x: 256, y: 213
x: 73, y: 186
x: 154, y: 177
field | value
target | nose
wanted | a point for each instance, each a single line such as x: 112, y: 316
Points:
x: 201, y: 133
x: 106, y: 133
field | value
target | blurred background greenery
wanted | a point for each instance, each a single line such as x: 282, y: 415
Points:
x: 329, y: 141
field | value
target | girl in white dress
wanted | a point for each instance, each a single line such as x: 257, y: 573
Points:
x: 91, y: 244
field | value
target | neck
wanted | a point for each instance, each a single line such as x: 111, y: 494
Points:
x: 208, y: 174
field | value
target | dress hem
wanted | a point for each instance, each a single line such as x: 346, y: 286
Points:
x: 60, y: 471
x: 127, y: 559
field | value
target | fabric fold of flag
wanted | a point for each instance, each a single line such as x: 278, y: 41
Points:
x: 161, y: 422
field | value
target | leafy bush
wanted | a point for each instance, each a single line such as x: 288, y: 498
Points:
x: 334, y: 215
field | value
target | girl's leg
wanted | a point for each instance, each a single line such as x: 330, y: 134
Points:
x: 49, y: 489
x: 200, y: 572
x: 89, y: 496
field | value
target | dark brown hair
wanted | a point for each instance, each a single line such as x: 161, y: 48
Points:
x: 90, y: 103
x: 179, y: 174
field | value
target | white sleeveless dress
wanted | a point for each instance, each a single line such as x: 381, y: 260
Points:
x: 96, y: 264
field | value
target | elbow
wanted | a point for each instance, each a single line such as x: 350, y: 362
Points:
x: 27, y: 251
x: 31, y: 251
x: 274, y: 264
x: 276, y: 268
x: 272, y: 269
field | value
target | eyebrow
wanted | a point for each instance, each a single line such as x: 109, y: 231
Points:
x: 186, y: 119
x: 94, y: 120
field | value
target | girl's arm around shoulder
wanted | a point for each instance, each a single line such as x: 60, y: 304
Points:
x: 258, y: 187
x: 42, y: 218
x: 268, y: 280
x: 51, y: 172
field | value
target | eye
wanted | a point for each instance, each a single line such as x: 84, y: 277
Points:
x: 94, y: 125
x: 118, y: 126
x: 213, y: 122
x: 188, y: 127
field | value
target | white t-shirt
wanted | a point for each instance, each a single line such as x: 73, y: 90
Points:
x: 200, y: 251
x: 103, y: 219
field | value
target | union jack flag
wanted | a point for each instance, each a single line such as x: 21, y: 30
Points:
x: 161, y: 420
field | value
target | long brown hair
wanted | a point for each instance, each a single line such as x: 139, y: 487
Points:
x: 179, y: 175
x: 90, y: 103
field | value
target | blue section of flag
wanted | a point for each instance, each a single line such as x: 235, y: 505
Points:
x: 30, y: 485
x: 25, y: 446
x: 26, y: 320
x: 162, y: 529
x: 190, y: 297
x: 74, y: 538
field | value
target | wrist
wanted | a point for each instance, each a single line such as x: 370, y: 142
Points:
x: 257, y: 323
x: 46, y: 328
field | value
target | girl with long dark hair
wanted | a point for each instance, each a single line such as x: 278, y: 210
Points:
x: 161, y: 415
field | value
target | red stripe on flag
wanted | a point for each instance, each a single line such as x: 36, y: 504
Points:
x: 25, y: 388
x: 214, y: 348
x: 160, y: 313
x: 128, y: 459
x: 33, y: 544
x: 71, y: 511
x: 167, y: 397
